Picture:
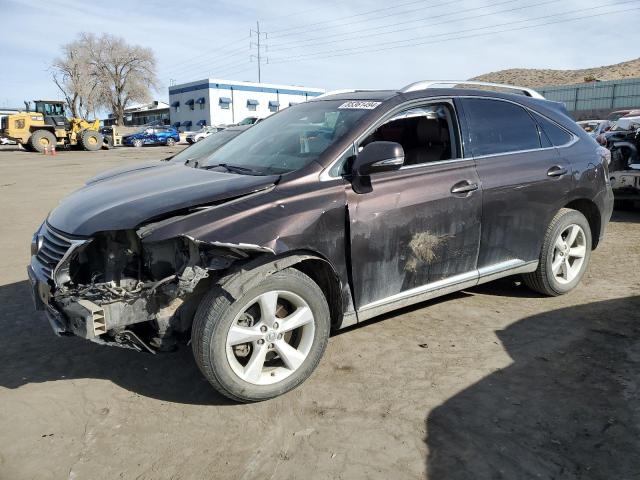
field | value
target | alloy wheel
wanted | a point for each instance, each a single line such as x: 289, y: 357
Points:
x: 569, y: 253
x: 270, y: 338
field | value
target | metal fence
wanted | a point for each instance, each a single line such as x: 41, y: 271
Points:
x: 596, y: 96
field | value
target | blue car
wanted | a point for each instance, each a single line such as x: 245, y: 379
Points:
x: 153, y: 136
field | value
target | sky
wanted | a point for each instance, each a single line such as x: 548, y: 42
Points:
x: 327, y: 44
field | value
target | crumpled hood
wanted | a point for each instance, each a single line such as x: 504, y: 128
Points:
x: 124, y: 201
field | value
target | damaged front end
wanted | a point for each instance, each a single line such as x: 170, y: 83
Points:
x: 114, y: 288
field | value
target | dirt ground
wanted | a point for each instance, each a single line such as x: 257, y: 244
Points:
x: 494, y: 382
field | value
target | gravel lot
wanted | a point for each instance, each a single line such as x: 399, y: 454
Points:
x: 494, y: 382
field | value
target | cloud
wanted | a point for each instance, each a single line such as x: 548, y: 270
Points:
x: 306, y: 39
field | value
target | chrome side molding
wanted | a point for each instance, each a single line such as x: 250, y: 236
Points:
x: 444, y: 287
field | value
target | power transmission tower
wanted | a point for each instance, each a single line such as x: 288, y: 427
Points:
x: 259, y: 45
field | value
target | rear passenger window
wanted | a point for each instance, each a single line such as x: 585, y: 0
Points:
x: 499, y: 127
x: 557, y: 135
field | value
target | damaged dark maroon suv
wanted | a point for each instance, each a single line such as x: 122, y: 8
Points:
x: 322, y: 216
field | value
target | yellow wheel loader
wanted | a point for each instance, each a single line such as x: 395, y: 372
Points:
x: 47, y: 126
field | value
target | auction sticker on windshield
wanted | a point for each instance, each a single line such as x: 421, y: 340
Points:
x: 360, y: 105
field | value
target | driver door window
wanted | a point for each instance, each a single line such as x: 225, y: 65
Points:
x: 427, y: 134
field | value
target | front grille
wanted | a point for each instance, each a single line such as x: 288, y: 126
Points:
x: 54, y: 245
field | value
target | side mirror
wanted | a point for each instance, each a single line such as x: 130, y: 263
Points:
x: 378, y: 157
x: 375, y: 157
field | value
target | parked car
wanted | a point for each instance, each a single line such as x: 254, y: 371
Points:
x: 324, y: 215
x: 623, y: 140
x: 6, y: 141
x: 189, y: 156
x: 615, y: 116
x: 204, y: 132
x: 595, y: 127
x: 249, y: 121
x: 152, y: 136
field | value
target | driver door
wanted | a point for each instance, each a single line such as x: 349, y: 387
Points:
x: 150, y: 135
x: 418, y: 230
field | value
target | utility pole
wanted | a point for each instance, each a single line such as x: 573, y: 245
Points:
x: 258, y: 45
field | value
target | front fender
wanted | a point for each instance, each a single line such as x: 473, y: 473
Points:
x: 300, y: 216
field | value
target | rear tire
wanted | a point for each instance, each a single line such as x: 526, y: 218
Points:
x: 255, y: 369
x: 41, y: 139
x: 91, y: 140
x: 565, y: 254
x: 137, y: 143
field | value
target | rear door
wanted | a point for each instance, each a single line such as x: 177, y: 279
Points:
x: 160, y: 135
x: 524, y: 181
x: 419, y: 228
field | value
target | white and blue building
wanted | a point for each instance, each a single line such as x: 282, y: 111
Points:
x: 215, y: 101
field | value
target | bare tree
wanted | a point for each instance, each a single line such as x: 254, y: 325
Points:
x: 124, y: 73
x: 106, y: 72
x: 71, y: 73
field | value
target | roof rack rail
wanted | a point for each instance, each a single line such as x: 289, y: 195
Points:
x: 424, y: 84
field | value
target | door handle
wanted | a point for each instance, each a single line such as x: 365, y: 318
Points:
x: 464, y: 186
x: 556, y: 171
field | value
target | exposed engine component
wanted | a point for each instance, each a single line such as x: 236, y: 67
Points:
x: 119, y: 291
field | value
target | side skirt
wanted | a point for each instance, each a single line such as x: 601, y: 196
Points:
x: 444, y: 287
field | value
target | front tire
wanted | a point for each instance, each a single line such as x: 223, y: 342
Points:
x: 565, y: 254
x: 265, y: 343
x: 170, y: 142
x: 91, y: 140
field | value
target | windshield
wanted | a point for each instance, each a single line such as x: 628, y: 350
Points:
x: 207, y: 146
x: 290, y: 139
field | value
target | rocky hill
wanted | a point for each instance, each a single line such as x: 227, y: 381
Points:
x: 532, y: 77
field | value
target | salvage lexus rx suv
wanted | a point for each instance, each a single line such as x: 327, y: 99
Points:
x: 322, y: 216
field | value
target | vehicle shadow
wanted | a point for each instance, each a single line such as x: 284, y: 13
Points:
x: 566, y: 408
x: 627, y: 215
x: 512, y: 287
x: 31, y: 353
x: 402, y: 311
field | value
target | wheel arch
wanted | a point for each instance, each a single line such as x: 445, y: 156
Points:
x: 590, y: 210
x: 48, y: 128
x: 311, y: 263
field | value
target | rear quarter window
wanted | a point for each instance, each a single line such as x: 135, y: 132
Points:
x: 499, y: 127
x: 557, y: 135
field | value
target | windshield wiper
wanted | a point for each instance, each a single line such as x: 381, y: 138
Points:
x: 233, y: 168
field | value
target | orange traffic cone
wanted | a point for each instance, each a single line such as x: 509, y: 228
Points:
x: 46, y: 150
x: 53, y: 150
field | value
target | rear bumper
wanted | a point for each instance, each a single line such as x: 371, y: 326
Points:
x: 606, y: 210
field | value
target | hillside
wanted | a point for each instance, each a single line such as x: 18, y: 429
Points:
x: 543, y: 77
